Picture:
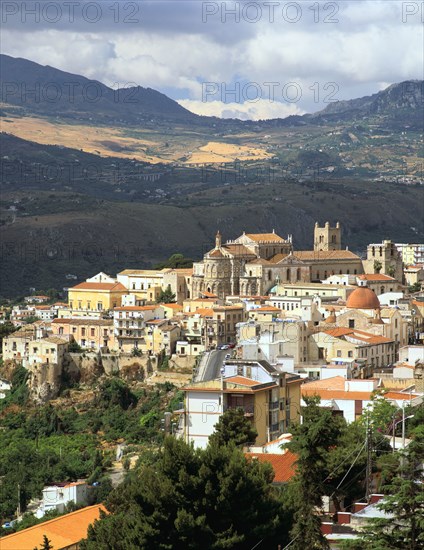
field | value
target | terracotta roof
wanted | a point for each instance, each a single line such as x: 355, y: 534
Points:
x: 363, y: 298
x: 284, y: 465
x: 400, y: 395
x: 173, y: 306
x: 216, y: 253
x: 267, y: 308
x: 83, y: 321
x: 265, y: 237
x: 376, y: 277
x: 367, y: 337
x: 63, y: 531
x: 238, y: 250
x: 55, y: 340
x: 334, y: 383
x: 326, y: 255
x: 242, y: 381
x: 208, y: 294
x: 204, y: 312
x: 142, y: 272
x: 338, y: 394
x: 99, y: 286
x: 43, y: 308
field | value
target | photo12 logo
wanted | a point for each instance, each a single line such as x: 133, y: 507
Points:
x: 270, y: 12
x: 412, y: 12
x: 251, y: 92
x: 69, y: 12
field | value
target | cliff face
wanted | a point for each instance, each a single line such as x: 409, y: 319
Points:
x: 44, y: 382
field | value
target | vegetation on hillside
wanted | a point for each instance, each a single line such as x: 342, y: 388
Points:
x: 64, y: 442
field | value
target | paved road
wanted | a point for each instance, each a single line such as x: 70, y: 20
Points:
x: 210, y: 365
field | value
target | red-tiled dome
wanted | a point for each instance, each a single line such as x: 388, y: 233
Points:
x: 363, y: 298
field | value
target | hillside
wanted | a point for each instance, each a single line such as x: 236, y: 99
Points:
x: 114, y: 184
x: 74, y: 96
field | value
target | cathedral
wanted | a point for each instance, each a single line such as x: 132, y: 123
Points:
x: 245, y: 266
x: 254, y: 263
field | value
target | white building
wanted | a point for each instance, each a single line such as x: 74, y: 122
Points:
x: 56, y: 497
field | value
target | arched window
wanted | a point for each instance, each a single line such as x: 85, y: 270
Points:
x: 269, y: 275
x: 250, y: 273
x: 298, y: 277
x: 288, y: 275
x: 373, y: 250
x: 382, y: 290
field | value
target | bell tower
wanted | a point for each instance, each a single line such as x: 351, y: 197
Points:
x: 327, y: 237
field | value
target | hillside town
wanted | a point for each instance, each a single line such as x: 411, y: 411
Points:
x: 255, y: 325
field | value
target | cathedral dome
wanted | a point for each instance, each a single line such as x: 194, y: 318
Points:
x: 363, y: 298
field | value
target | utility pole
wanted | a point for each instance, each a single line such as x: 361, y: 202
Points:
x: 18, y: 510
x: 369, y: 461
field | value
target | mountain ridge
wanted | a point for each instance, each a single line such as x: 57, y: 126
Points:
x: 136, y: 103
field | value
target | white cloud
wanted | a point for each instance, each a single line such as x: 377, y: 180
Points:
x: 173, y: 51
x: 262, y: 109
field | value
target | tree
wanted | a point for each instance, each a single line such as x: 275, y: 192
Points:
x: 377, y: 266
x: 403, y: 527
x: 312, y: 442
x: 46, y: 544
x: 176, y: 261
x: 391, y: 270
x: 233, y: 427
x: 192, y: 499
x: 166, y: 296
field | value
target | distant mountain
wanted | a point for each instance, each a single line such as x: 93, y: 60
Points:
x: 399, y: 104
x: 65, y: 94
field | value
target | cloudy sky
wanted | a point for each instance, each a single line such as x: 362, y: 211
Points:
x: 240, y: 59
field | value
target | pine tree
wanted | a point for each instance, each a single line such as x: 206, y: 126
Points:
x: 233, y: 427
x: 311, y: 442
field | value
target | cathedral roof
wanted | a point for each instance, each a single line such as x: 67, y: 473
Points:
x: 326, y: 255
x: 265, y: 237
x: 286, y: 259
x: 238, y: 250
x: 216, y: 253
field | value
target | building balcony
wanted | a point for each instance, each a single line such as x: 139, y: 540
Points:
x: 249, y: 410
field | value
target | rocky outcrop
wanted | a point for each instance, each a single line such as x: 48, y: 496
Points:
x: 44, y: 382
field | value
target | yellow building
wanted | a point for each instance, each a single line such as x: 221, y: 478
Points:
x: 87, y: 333
x: 94, y: 296
x: 270, y: 403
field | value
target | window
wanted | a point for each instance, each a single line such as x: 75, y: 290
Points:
x: 339, y: 353
x: 351, y: 323
x: 88, y: 305
x: 92, y: 332
x: 99, y: 306
x: 350, y: 353
x: 83, y: 332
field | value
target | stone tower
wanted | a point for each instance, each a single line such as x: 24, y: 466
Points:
x: 384, y: 258
x: 327, y: 238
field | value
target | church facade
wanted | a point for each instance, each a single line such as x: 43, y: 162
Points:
x: 244, y: 266
x: 254, y: 263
